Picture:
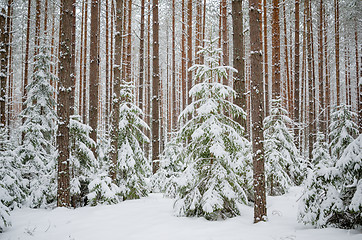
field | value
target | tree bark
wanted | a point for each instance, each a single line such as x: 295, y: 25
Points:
x: 65, y: 98
x: 85, y: 64
x: 116, y: 88
x: 297, y: 102
x: 336, y: 44
x: 174, y: 82
x: 225, y: 37
x: 257, y: 110
x: 266, y: 67
x: 183, y: 56
x: 155, y: 89
x: 26, y: 60
x: 141, y: 60
x: 320, y: 70
x: 189, y: 49
x: 238, y: 58
x: 94, y: 70
x: 276, y: 50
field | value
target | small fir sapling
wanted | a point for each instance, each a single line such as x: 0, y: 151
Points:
x: 37, y: 152
x: 283, y: 163
x: 214, y: 149
x: 342, y: 130
x: 83, y: 164
x: 133, y: 166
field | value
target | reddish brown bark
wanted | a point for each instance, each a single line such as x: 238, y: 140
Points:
x: 275, y: 50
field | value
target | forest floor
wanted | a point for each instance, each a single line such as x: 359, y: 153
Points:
x: 152, y: 218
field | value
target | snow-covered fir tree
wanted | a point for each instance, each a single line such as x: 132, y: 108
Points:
x: 133, y: 166
x: 342, y: 129
x: 37, y: 152
x: 283, y: 164
x: 320, y: 150
x: 333, y: 192
x: 211, y: 185
x: 83, y: 162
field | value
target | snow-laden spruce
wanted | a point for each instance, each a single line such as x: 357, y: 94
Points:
x: 342, y: 129
x: 333, y: 192
x: 133, y: 166
x: 283, y: 165
x: 37, y: 152
x: 214, y: 149
x: 12, y: 184
x: 83, y: 164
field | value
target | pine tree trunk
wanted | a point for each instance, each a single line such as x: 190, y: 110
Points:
x: 257, y: 110
x: 288, y: 89
x: 320, y: 70
x: 4, y: 57
x: 327, y: 79
x: 359, y: 85
x: 336, y: 39
x: 174, y: 82
x: 129, y: 44
x: 155, y: 89
x: 37, y: 27
x: 297, y: 103
x: 183, y: 56
x: 275, y: 50
x: 85, y: 64
x: 81, y: 90
x: 225, y: 52
x: 141, y: 60
x: 94, y: 70
x: 116, y: 88
x: 189, y: 49
x: 107, y: 101
x: 26, y: 60
x: 266, y: 67
x: 9, y: 27
x: 238, y: 58
x: 198, y: 30
x: 65, y: 98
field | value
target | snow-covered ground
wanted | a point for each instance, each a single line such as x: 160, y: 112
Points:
x: 152, y: 218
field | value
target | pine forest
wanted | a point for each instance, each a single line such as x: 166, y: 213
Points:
x: 232, y: 111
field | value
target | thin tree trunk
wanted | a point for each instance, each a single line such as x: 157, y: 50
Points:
x: 183, y: 56
x: 85, y: 64
x: 286, y: 63
x: 129, y: 44
x: 225, y: 52
x: 198, y: 30
x: 257, y: 110
x: 65, y: 98
x: 26, y: 60
x: 107, y: 101
x: 189, y: 48
x: 81, y: 90
x: 94, y: 69
x: 327, y: 81
x: 238, y: 58
x: 155, y: 89
x: 320, y: 70
x: 9, y: 26
x: 142, y: 43
x: 359, y: 85
x: 3, y: 66
x: 297, y: 103
x: 174, y: 82
x: 336, y: 39
x: 276, y: 50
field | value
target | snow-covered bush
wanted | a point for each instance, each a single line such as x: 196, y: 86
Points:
x: 333, y: 192
x: 211, y: 185
x: 283, y: 164
x: 82, y: 160
x: 103, y: 191
x: 37, y: 152
x: 342, y: 129
x: 133, y: 166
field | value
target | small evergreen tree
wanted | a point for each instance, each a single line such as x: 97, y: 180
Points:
x: 320, y: 150
x: 211, y: 185
x: 37, y: 152
x: 283, y: 163
x: 342, y: 130
x: 333, y: 192
x: 133, y: 165
x: 82, y: 160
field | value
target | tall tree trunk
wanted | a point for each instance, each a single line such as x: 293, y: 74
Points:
x: 129, y: 44
x: 26, y: 60
x: 37, y: 27
x: 320, y: 70
x: 142, y: 57
x: 359, y: 85
x: 65, y: 97
x: 266, y: 67
x: 85, y: 63
x: 189, y: 48
x: 81, y: 62
x: 238, y: 58
x: 257, y: 110
x: 198, y: 30
x: 286, y: 64
x: 297, y: 102
x: 94, y: 70
x: 327, y: 81
x: 336, y: 42
x: 116, y: 88
x: 173, y: 70
x: 9, y: 27
x: 225, y: 36
x: 276, y: 50
x: 155, y: 88
x: 183, y: 56
x: 107, y: 101
x: 310, y: 79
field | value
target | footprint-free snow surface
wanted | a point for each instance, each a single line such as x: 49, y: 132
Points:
x: 152, y: 218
